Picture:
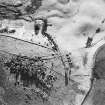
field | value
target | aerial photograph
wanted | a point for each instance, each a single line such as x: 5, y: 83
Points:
x: 52, y: 52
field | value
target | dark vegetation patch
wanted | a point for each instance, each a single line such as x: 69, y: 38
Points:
x: 99, y: 97
x: 99, y: 88
x: 29, y: 9
x: 9, y: 12
x: 36, y: 3
x: 18, y: 11
x: 12, y: 97
x: 9, y: 96
x: 99, y: 69
x: 2, y: 76
x: 30, y: 72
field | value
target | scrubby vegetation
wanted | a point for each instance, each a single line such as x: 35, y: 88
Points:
x: 30, y: 72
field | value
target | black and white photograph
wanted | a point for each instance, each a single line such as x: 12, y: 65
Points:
x: 52, y: 52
